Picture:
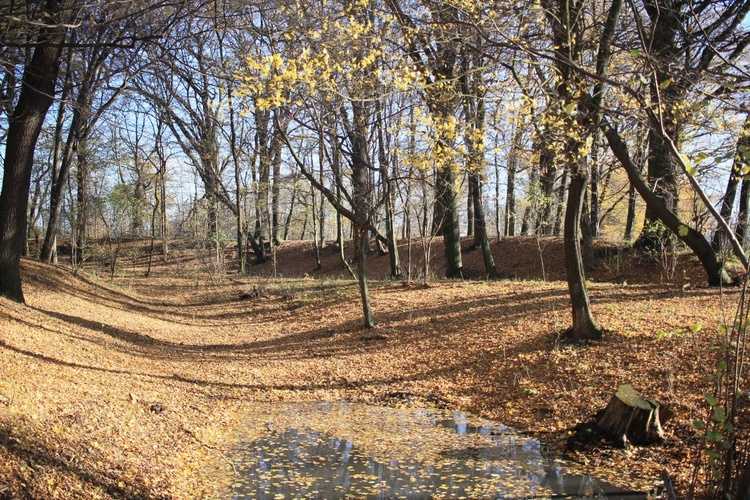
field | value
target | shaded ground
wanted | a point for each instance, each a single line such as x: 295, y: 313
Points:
x: 128, y: 387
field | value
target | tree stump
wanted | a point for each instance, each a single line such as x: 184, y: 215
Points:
x: 631, y: 418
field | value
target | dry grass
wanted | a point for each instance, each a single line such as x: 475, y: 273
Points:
x: 129, y: 387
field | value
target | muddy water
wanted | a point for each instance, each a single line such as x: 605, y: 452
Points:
x: 336, y: 450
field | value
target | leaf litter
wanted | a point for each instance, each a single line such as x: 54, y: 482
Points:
x: 137, y: 387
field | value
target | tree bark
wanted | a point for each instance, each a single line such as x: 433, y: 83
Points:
x: 631, y: 418
x: 562, y: 191
x: 48, y: 251
x: 662, y: 170
x: 358, y: 138
x: 388, y: 197
x: 594, y: 212
x: 475, y: 188
x: 24, y: 127
x: 584, y: 326
x: 742, y: 216
x: 510, y: 189
x: 547, y: 172
x: 528, y: 222
x: 742, y: 153
x: 446, y: 199
x: 692, y: 238
x: 470, y: 216
x: 630, y: 217
x: 360, y: 237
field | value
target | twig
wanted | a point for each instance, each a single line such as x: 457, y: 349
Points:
x: 668, y: 487
x: 210, y: 447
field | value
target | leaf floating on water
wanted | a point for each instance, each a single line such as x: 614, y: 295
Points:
x: 371, y: 451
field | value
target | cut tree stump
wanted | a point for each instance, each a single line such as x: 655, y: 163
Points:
x: 629, y: 418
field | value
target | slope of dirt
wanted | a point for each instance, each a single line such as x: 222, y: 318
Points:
x: 518, y: 258
x: 127, y: 387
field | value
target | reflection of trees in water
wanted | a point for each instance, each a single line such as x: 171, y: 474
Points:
x: 483, y: 460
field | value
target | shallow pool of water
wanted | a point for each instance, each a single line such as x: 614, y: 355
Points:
x: 335, y: 450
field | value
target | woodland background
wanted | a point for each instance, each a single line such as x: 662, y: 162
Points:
x: 240, y: 125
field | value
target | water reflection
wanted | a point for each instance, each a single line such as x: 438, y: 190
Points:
x: 392, y: 453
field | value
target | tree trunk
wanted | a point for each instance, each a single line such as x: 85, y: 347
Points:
x: 742, y: 216
x: 692, y: 238
x: 561, y: 203
x: 163, y: 188
x: 81, y: 209
x: 594, y: 211
x: 48, y: 251
x: 153, y: 234
x: 57, y: 193
x: 470, y: 216
x: 475, y: 188
x: 358, y: 138
x: 547, y: 173
x: 288, y: 221
x: 438, y: 212
x: 528, y: 223
x: 584, y: 327
x: 510, y: 189
x: 238, y: 194
x: 446, y: 200
x: 279, y: 129
x: 24, y: 127
x: 743, y: 486
x: 630, y: 218
x: 498, y: 233
x: 360, y: 237
x: 321, y: 212
x: 388, y: 196
x: 315, y: 227
x: 587, y: 238
x: 666, y: 25
x: 510, y: 202
x: 742, y: 152
x: 340, y: 237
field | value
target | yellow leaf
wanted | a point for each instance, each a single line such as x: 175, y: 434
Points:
x: 689, y: 168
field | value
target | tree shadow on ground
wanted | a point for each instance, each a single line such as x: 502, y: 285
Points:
x: 232, y: 386
x: 39, y: 460
x: 497, y: 310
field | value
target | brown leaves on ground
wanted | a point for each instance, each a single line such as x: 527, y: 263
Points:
x: 129, y: 387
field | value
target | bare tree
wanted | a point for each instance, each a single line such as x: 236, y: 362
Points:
x: 25, y: 124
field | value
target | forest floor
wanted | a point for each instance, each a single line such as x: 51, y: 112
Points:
x: 117, y: 385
